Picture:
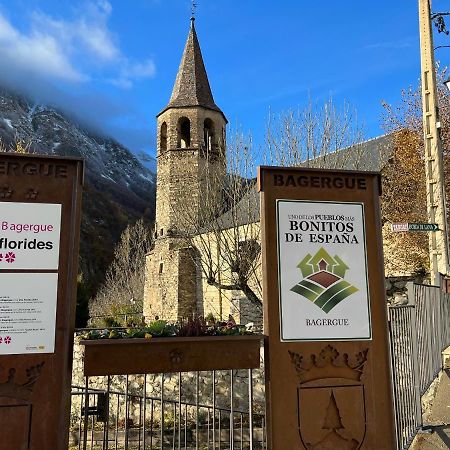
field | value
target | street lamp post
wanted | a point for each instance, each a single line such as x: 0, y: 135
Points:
x: 438, y: 241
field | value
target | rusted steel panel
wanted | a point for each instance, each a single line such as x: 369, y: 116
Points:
x: 327, y: 359
x: 35, y: 380
x: 161, y: 355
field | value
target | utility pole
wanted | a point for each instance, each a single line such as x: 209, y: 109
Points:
x: 438, y: 241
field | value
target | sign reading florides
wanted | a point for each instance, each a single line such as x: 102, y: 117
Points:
x: 29, y: 235
x: 323, y: 286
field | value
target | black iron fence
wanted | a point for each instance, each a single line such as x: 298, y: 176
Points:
x: 200, y: 410
x: 220, y: 410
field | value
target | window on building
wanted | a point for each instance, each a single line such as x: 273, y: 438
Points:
x: 184, y: 132
x: 161, y: 267
x: 208, y: 135
x: 163, y: 137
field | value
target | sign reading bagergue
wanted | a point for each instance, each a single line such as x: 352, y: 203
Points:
x: 324, y: 311
x: 324, y: 292
x: 29, y: 235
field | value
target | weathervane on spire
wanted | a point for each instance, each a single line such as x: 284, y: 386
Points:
x: 194, y: 6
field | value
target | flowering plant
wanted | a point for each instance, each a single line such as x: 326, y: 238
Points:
x: 190, y: 327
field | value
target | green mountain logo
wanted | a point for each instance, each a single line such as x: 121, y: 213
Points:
x: 323, y: 280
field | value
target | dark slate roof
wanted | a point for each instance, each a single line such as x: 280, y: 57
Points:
x: 191, y: 86
x: 246, y: 210
x: 369, y: 156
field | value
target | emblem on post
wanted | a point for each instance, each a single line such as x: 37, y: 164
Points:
x: 333, y: 383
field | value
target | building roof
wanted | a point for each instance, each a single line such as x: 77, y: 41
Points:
x: 191, y: 86
x: 368, y: 156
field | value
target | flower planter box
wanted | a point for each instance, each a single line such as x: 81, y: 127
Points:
x: 174, y: 354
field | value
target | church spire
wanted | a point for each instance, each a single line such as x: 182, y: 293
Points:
x: 191, y: 86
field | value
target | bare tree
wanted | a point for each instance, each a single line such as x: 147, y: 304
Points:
x: 404, y: 186
x: 317, y: 135
x: 225, y: 230
x: 123, y: 290
x: 17, y: 146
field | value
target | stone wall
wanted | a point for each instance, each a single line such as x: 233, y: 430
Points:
x: 244, y: 312
x: 181, y: 171
x: 161, y: 281
x: 397, y: 290
x: 171, y: 388
x: 187, y: 282
x: 172, y: 280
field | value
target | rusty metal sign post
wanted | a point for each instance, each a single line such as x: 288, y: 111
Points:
x: 40, y: 201
x: 327, y: 363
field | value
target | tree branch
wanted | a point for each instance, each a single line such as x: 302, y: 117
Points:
x: 244, y: 287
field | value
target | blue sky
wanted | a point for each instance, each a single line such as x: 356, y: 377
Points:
x: 113, y: 62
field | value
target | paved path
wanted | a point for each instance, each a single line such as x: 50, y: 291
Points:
x: 440, y: 417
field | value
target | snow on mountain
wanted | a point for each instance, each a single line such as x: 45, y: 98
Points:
x: 119, y: 187
x: 49, y: 131
x: 146, y: 160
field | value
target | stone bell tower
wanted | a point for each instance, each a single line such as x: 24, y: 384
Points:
x: 190, y: 148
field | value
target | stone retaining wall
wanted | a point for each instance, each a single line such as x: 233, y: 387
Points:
x: 171, y: 388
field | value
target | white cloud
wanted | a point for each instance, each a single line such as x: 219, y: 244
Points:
x: 88, y: 32
x: 7, y: 33
x: 130, y: 72
x: 121, y: 82
x: 37, y: 52
x: 141, y: 70
x: 71, y: 50
x: 98, y: 41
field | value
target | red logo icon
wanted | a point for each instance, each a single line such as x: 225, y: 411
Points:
x: 1, y: 339
x: 8, y: 340
x: 10, y: 257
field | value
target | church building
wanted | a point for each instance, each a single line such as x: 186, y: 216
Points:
x: 191, y: 161
x: 191, y: 141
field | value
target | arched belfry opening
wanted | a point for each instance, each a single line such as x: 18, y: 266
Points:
x: 163, y: 137
x: 184, y: 132
x: 209, y: 135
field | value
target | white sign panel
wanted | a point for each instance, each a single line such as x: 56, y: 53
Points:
x: 324, y: 292
x: 29, y: 235
x: 399, y: 227
x: 27, y: 312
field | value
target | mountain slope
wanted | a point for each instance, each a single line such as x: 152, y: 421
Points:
x: 119, y: 189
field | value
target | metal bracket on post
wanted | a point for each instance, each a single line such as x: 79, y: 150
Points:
x: 100, y: 411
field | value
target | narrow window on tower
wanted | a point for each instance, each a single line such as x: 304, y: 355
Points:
x: 161, y: 266
x: 163, y: 137
x: 208, y: 135
x: 184, y: 133
x: 224, y: 139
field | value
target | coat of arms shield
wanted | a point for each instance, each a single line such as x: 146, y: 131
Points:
x: 331, y: 418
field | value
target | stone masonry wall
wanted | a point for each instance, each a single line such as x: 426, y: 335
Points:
x: 181, y: 176
x: 187, y: 282
x: 171, y: 389
x: 161, y: 281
